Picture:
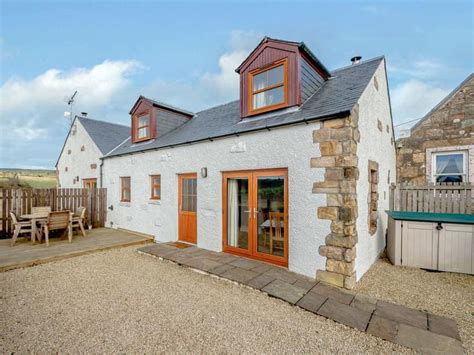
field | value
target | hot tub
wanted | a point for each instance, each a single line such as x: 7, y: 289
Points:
x: 434, y: 241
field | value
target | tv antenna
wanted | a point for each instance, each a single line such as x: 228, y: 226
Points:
x: 70, y: 102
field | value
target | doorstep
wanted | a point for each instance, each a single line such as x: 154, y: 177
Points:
x: 415, y: 329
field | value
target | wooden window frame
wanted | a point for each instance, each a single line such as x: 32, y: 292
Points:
x: 284, y: 84
x: 122, y: 189
x: 136, y: 119
x: 153, y: 186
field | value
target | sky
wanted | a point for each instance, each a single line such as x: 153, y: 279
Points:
x: 185, y: 54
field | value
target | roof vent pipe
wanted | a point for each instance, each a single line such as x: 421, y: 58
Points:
x: 84, y: 114
x: 356, y: 59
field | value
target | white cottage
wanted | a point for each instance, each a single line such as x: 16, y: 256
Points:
x: 79, y: 163
x: 296, y: 172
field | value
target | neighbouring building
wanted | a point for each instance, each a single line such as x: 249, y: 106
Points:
x: 440, y: 147
x: 295, y: 172
x: 79, y: 163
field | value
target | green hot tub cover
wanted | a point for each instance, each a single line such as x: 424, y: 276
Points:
x: 432, y: 217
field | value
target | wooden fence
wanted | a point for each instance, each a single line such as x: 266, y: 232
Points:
x: 21, y: 200
x: 440, y: 198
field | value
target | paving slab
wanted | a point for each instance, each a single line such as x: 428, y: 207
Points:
x: 260, y: 281
x: 364, y: 303
x: 333, y: 293
x: 203, y: 264
x: 425, y: 341
x: 443, y: 325
x: 282, y: 275
x: 402, y: 314
x: 219, y: 270
x: 284, y: 290
x: 245, y: 263
x: 383, y: 328
x: 239, y: 275
x: 345, y: 314
x: 306, y: 284
x: 312, y: 301
x: 263, y: 267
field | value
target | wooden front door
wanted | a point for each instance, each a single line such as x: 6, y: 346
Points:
x: 187, y: 206
x: 255, y: 214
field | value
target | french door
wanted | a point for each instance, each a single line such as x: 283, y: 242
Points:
x: 255, y: 210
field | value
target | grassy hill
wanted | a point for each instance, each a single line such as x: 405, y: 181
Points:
x: 27, y: 178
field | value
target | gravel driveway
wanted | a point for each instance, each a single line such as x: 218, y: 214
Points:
x: 443, y: 293
x: 120, y: 301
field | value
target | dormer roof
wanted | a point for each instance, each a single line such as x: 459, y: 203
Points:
x: 268, y: 42
x: 161, y: 105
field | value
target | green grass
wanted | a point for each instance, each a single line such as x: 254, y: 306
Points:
x: 41, y: 179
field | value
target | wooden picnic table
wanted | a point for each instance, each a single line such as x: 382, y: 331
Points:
x: 39, y: 217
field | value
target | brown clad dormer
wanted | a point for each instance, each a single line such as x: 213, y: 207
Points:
x: 278, y: 74
x: 151, y: 119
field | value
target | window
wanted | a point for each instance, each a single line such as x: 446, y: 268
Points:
x: 155, y: 187
x: 142, y: 126
x: 449, y: 167
x: 125, y: 189
x: 268, y: 88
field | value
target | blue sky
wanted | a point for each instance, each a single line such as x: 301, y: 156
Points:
x: 185, y: 53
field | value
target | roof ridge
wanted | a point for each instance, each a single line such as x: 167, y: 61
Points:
x: 168, y: 106
x: 101, y: 121
x: 358, y: 64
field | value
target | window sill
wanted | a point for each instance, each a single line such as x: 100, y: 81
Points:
x: 154, y: 202
x: 124, y: 203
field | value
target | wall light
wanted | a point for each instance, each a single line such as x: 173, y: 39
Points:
x: 203, y: 172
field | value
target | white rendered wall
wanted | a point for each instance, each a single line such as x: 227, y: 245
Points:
x: 290, y: 147
x: 377, y: 146
x: 78, y: 162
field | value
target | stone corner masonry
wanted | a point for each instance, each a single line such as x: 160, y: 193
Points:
x: 338, y: 139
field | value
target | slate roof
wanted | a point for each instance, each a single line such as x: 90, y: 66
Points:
x: 336, y: 97
x: 106, y: 135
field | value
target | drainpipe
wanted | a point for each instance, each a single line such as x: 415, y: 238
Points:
x: 100, y: 168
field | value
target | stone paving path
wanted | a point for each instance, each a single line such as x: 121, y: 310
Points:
x: 412, y: 328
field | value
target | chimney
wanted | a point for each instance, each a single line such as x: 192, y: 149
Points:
x: 84, y: 114
x: 356, y: 59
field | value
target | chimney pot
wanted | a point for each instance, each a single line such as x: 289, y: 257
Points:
x: 356, y: 59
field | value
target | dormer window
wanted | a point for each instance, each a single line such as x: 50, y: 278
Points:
x: 142, y: 127
x: 268, y: 87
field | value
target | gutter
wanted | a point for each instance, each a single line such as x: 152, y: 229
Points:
x: 340, y: 114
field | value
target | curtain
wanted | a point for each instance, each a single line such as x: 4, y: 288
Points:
x: 232, y: 213
x: 459, y: 164
x: 441, y: 164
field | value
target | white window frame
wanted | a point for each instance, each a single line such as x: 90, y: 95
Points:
x: 465, y: 174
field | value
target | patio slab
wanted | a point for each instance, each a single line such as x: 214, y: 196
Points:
x: 24, y: 253
x: 385, y: 320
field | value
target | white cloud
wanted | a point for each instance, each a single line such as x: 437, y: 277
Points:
x: 413, y: 99
x: 209, y: 88
x: 420, y: 69
x: 28, y: 107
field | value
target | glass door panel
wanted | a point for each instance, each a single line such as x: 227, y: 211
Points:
x: 238, y: 213
x: 270, y: 208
